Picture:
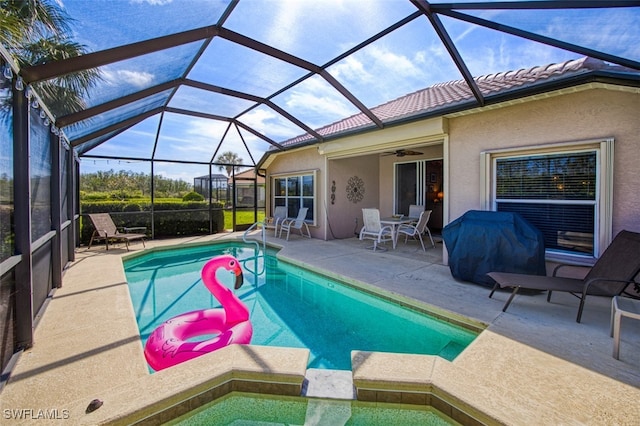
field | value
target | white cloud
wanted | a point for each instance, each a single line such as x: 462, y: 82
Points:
x: 140, y: 79
x: 286, y: 16
x: 400, y: 64
x: 153, y: 2
x: 380, y: 73
x: 368, y: 66
x: 351, y: 69
x: 180, y: 171
x: 203, y: 137
x: 488, y: 51
x: 257, y: 118
x: 292, y: 14
x: 135, y: 78
x: 205, y: 129
x: 325, y: 107
x: 469, y: 29
x: 611, y: 31
x: 269, y: 123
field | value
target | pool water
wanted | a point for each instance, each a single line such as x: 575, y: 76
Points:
x: 289, y: 306
x: 254, y: 409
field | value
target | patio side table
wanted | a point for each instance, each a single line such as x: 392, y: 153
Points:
x: 622, y: 307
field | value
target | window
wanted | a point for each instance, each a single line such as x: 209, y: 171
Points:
x: 295, y: 191
x: 565, y: 193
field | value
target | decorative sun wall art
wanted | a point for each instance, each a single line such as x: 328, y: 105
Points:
x: 355, y: 189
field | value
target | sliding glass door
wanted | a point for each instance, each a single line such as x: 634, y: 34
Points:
x: 419, y: 182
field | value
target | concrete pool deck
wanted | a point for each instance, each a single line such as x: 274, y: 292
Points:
x: 532, y: 364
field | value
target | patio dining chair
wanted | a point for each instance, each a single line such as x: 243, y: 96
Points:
x: 273, y: 222
x: 373, y: 229
x: 416, y: 231
x: 296, y: 223
x: 610, y: 276
x: 415, y: 210
x: 106, y: 230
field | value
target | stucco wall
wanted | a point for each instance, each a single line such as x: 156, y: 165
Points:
x: 343, y: 214
x: 303, y: 160
x: 578, y: 116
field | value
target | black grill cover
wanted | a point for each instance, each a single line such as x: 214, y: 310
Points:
x: 484, y: 241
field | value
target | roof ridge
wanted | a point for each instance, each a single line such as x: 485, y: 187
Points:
x: 583, y: 62
x: 453, y: 91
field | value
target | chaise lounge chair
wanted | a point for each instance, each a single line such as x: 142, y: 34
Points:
x: 106, y: 230
x: 610, y: 275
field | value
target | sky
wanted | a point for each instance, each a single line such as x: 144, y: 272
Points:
x: 408, y: 59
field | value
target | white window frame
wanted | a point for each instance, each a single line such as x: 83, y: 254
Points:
x: 421, y: 170
x: 604, y: 149
x: 299, y: 174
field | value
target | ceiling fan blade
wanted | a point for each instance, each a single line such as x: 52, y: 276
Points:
x: 401, y: 153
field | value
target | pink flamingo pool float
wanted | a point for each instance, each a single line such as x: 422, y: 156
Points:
x: 169, y: 344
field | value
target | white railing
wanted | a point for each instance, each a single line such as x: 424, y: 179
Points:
x: 256, y: 256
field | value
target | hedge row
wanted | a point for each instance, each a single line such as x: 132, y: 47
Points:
x: 172, y: 218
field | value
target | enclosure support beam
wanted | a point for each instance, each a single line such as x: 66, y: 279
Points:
x: 425, y: 7
x: 56, y: 211
x: 210, y: 180
x: 153, y: 202
x: 71, y: 202
x: 22, y: 221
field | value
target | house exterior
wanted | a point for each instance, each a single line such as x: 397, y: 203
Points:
x: 559, y: 144
x: 249, y: 188
x: 245, y: 184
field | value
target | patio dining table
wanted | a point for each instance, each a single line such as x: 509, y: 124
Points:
x: 395, y: 222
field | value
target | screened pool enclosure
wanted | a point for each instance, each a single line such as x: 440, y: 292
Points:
x: 199, y: 93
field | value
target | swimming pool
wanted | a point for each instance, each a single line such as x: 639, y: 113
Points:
x: 290, y: 306
x: 256, y: 409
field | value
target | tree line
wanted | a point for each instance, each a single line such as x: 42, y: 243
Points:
x: 128, y: 184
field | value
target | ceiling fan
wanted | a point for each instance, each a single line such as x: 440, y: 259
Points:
x: 402, y: 152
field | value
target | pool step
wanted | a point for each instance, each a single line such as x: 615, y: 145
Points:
x: 323, y: 383
x: 451, y: 350
x: 327, y: 412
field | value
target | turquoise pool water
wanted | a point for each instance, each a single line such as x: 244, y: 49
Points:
x: 290, y: 307
x: 253, y: 409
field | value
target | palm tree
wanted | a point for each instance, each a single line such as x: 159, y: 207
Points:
x: 36, y: 32
x: 226, y: 161
x: 22, y: 20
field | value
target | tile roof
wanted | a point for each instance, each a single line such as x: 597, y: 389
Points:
x: 448, y: 94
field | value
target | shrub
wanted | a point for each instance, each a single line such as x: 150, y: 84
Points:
x: 94, y: 196
x: 192, y: 196
x: 121, y: 194
x: 172, y: 217
x: 131, y: 207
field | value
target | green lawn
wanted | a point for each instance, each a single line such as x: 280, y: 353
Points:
x: 241, y: 217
